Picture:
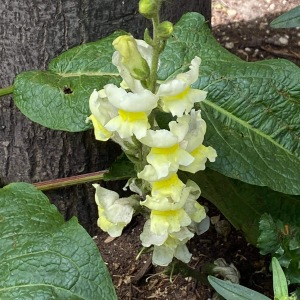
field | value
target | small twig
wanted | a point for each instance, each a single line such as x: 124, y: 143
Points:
x: 141, y: 273
x: 69, y: 181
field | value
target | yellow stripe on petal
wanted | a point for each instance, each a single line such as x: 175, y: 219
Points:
x: 168, y: 221
x: 131, y: 117
x: 165, y: 151
x: 180, y: 96
x: 168, y: 187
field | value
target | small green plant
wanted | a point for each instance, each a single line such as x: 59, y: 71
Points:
x: 283, y: 242
x: 232, y: 291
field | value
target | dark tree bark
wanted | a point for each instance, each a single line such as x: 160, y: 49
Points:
x: 32, y: 32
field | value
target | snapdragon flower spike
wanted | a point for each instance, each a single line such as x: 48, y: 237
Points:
x: 114, y: 212
x: 177, y: 96
x: 132, y: 111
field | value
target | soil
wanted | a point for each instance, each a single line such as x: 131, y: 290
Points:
x: 241, y: 27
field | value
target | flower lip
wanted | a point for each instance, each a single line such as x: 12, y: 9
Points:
x: 133, y: 102
x: 159, y: 138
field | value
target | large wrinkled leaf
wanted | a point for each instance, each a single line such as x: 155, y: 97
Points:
x: 243, y: 204
x: 252, y: 109
x: 58, y: 98
x: 41, y: 256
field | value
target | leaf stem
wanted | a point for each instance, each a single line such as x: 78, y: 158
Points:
x: 69, y: 181
x: 6, y: 91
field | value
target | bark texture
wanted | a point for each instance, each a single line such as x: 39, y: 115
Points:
x: 32, y: 32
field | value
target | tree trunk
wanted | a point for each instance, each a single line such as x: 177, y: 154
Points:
x: 32, y: 32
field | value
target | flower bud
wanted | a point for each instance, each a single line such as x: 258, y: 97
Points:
x: 149, y: 8
x: 165, y: 29
x: 131, y: 58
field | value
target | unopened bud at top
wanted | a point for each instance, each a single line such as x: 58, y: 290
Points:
x: 149, y: 8
x: 131, y: 58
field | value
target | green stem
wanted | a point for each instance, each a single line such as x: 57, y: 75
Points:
x: 6, y: 91
x: 155, y: 55
x: 69, y: 181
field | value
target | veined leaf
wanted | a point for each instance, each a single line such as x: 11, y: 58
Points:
x: 244, y: 204
x: 287, y: 20
x: 279, y: 281
x: 41, y: 256
x: 58, y: 98
x: 252, y: 109
x: 232, y: 291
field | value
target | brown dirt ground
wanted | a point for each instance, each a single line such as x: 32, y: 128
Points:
x: 242, y: 28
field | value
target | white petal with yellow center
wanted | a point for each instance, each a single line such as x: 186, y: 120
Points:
x: 102, y: 111
x: 168, y: 160
x: 200, y: 154
x: 168, y: 221
x: 114, y: 212
x: 143, y: 101
x: 128, y: 124
x: 177, y: 96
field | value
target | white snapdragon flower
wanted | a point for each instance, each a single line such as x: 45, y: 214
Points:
x: 192, y: 207
x: 102, y: 112
x: 114, y: 212
x: 132, y: 111
x: 177, y: 96
x: 193, y: 139
x: 167, y: 246
x: 175, y: 246
x: 165, y: 155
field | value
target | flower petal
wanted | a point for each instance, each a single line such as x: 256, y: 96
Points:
x: 143, y: 101
x: 201, y: 154
x: 176, y: 94
x: 149, y: 238
x: 168, y: 221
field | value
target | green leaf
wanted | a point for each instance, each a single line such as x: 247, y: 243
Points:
x: 58, y: 98
x: 252, y: 109
x: 269, y: 240
x: 279, y: 281
x: 282, y: 240
x: 121, y: 169
x: 243, y: 204
x: 232, y: 291
x: 288, y: 19
x: 41, y: 256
